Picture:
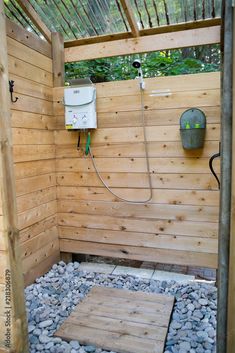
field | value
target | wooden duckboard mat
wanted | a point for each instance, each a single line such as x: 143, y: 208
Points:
x: 120, y: 320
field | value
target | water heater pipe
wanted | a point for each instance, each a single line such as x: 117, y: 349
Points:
x: 146, y: 155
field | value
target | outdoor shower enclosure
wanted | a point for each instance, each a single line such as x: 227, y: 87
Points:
x: 61, y: 207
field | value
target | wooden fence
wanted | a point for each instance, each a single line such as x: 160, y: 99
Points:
x: 180, y: 224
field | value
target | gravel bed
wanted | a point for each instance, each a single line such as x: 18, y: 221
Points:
x: 51, y: 299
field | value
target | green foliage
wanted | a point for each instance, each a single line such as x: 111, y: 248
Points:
x: 164, y: 63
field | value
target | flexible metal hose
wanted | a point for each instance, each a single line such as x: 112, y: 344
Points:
x: 146, y: 156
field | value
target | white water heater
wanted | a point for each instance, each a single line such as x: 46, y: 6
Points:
x: 80, y: 107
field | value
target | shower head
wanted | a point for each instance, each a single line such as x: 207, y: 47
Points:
x: 136, y: 64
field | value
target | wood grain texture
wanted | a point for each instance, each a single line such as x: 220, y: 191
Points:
x: 181, y: 221
x: 128, y: 10
x: 14, y: 324
x: 34, y: 154
x: 181, y: 39
x: 191, y: 82
x: 169, y: 196
x: 58, y: 59
x: 141, y: 239
x: 28, y: 55
x: 28, y: 71
x: 35, y: 18
x: 27, y: 38
x: 144, y: 32
x: 125, y: 321
x: 178, y: 257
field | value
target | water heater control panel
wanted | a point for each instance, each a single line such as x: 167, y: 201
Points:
x: 80, y: 107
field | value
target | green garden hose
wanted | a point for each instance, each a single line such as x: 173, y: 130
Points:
x: 88, y: 142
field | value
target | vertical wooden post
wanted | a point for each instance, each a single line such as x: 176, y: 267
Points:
x: 231, y: 294
x: 58, y: 80
x: 58, y: 59
x: 14, y: 315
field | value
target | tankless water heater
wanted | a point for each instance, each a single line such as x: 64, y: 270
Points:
x: 80, y: 107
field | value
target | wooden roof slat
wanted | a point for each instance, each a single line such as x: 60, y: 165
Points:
x: 130, y: 17
x: 65, y: 19
x: 139, y: 16
x: 166, y: 12
x: 139, y: 13
x: 122, y: 15
x: 32, y: 14
x: 148, y: 14
x: 156, y: 12
x: 213, y: 8
x: 13, y: 15
x: 69, y: 12
x: 23, y: 19
x: 88, y: 17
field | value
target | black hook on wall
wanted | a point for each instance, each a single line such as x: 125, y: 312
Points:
x: 11, y: 89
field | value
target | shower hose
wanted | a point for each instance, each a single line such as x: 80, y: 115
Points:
x: 147, y: 162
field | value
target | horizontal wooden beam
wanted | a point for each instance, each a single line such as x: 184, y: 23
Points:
x: 27, y: 38
x: 182, y: 26
x: 97, y: 39
x: 144, y: 32
x: 34, y: 17
x: 163, y: 41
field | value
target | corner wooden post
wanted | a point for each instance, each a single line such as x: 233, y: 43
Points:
x: 58, y: 59
x: 58, y: 80
x: 231, y: 294
x: 13, y: 323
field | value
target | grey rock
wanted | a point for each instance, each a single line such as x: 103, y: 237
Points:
x: 45, y: 323
x: 203, y: 301
x: 176, y: 325
x: 187, y: 326
x: 49, y: 345
x: 185, y: 345
x: 74, y: 344
x: 54, y: 296
x: 44, y: 339
x: 39, y: 347
x: 57, y: 340
x: 33, y: 339
x: 89, y: 349
x: 190, y: 307
x: 31, y: 328
x: 198, y: 314
x: 202, y: 334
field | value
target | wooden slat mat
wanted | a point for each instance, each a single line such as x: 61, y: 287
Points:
x: 120, y: 320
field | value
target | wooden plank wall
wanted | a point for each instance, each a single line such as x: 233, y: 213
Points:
x: 13, y: 321
x: 179, y: 225
x: 4, y: 265
x: 33, y: 126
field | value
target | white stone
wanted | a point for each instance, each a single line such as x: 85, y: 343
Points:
x: 131, y: 271
x: 96, y: 267
x: 172, y: 276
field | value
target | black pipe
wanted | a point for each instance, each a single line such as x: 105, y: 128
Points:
x: 211, y: 160
x: 226, y: 164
